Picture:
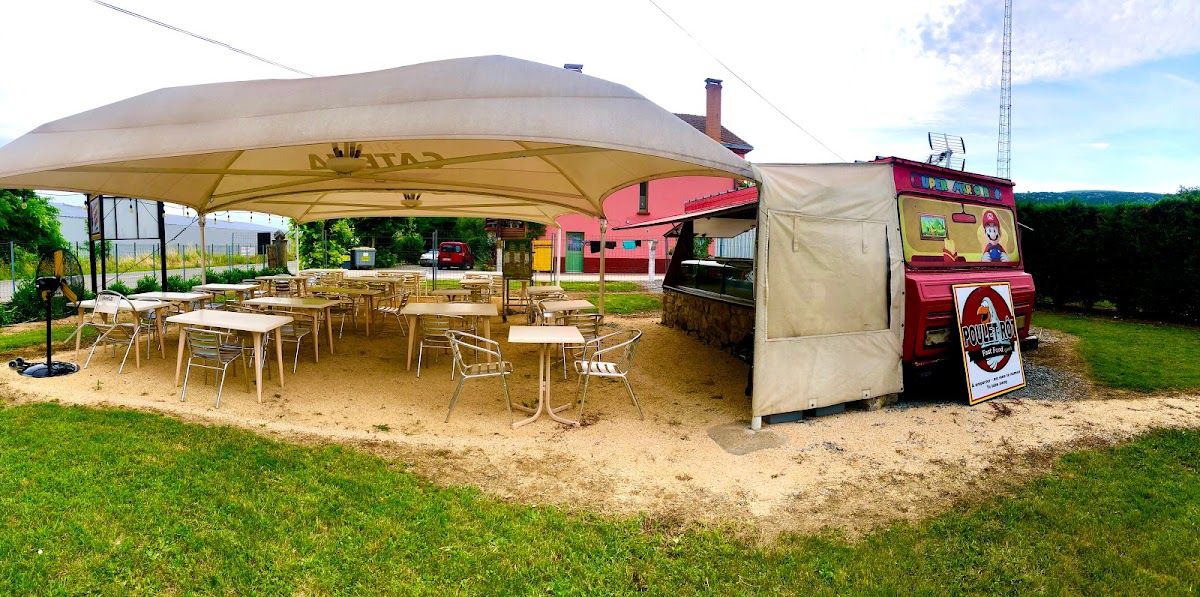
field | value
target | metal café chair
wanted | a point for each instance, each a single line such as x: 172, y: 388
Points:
x: 392, y: 309
x: 302, y: 324
x: 536, y: 315
x: 612, y: 357
x: 285, y: 288
x: 435, y: 334
x: 462, y: 343
x: 344, y: 307
x: 245, y: 340
x: 215, y: 350
x: 589, y: 327
x: 114, y: 329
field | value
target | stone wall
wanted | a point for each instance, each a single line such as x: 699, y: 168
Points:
x: 714, y: 322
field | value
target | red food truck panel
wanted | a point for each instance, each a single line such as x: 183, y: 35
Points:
x: 957, y: 228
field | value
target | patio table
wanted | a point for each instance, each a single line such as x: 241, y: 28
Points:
x: 255, y: 323
x: 545, y: 336
x: 138, y: 307
x: 394, y: 283
x: 300, y: 282
x: 480, y: 311
x: 570, y: 306
x: 183, y: 299
x: 367, y: 293
x: 244, y: 290
x: 543, y: 290
x: 450, y: 293
x: 319, y: 305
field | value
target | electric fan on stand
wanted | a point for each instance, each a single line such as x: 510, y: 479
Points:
x: 58, y: 271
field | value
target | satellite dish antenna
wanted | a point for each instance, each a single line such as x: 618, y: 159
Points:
x: 58, y: 272
x: 947, y: 150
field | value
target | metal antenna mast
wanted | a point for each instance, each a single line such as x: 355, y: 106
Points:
x: 1003, y: 156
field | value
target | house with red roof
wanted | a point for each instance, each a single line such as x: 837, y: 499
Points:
x: 629, y: 251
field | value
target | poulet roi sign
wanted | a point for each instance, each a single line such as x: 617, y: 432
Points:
x: 987, y: 329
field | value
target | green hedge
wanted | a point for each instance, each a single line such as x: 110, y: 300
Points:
x: 1141, y: 258
x: 26, y: 305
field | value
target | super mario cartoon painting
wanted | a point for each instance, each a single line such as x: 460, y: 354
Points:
x: 993, y: 250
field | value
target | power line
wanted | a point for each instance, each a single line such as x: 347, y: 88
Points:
x: 201, y: 37
x: 743, y: 81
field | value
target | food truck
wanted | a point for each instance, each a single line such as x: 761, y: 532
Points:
x: 853, y: 272
x: 957, y: 228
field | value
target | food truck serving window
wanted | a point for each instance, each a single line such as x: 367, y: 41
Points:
x: 941, y: 232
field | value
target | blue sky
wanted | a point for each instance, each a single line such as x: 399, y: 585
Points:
x: 1106, y: 93
x: 1136, y: 128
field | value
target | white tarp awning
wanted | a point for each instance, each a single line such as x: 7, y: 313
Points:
x: 722, y: 227
x: 829, y: 298
x: 490, y: 136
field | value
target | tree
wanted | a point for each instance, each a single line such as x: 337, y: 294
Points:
x: 326, y: 243
x: 29, y: 220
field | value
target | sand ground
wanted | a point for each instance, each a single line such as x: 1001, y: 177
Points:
x: 851, y: 472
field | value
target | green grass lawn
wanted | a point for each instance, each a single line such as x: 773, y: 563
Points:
x: 595, y: 287
x: 1134, y: 356
x: 10, y: 341
x: 123, y: 502
x: 625, y: 304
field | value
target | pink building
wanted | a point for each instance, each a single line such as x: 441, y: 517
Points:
x: 627, y: 251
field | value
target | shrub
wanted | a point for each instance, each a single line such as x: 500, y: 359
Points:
x: 409, y: 248
x: 26, y: 305
x: 147, y: 284
x: 385, y: 257
x: 177, y: 283
x: 120, y: 287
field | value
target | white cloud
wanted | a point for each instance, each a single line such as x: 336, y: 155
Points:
x: 1065, y: 38
x: 1098, y: 145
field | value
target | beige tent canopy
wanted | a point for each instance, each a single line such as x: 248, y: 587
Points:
x: 489, y: 136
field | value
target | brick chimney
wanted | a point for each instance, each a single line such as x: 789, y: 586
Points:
x: 575, y: 67
x: 712, y: 111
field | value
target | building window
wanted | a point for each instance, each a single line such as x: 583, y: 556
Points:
x: 644, y: 198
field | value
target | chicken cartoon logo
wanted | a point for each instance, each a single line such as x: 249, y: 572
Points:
x: 989, y: 330
x: 993, y: 250
x: 988, y: 316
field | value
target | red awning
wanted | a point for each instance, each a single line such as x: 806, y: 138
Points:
x: 717, y: 211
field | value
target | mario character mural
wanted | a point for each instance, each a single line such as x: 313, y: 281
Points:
x: 993, y: 250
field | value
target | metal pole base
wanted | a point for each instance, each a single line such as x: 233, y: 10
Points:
x: 55, y: 369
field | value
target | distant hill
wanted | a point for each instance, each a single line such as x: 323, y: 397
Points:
x: 1092, y: 197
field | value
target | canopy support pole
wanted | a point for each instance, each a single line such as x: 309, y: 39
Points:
x: 203, y: 248
x: 162, y: 243
x: 557, y: 252
x: 603, y: 250
x: 91, y: 241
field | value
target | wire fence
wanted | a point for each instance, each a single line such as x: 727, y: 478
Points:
x: 127, y: 261
x: 628, y: 256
